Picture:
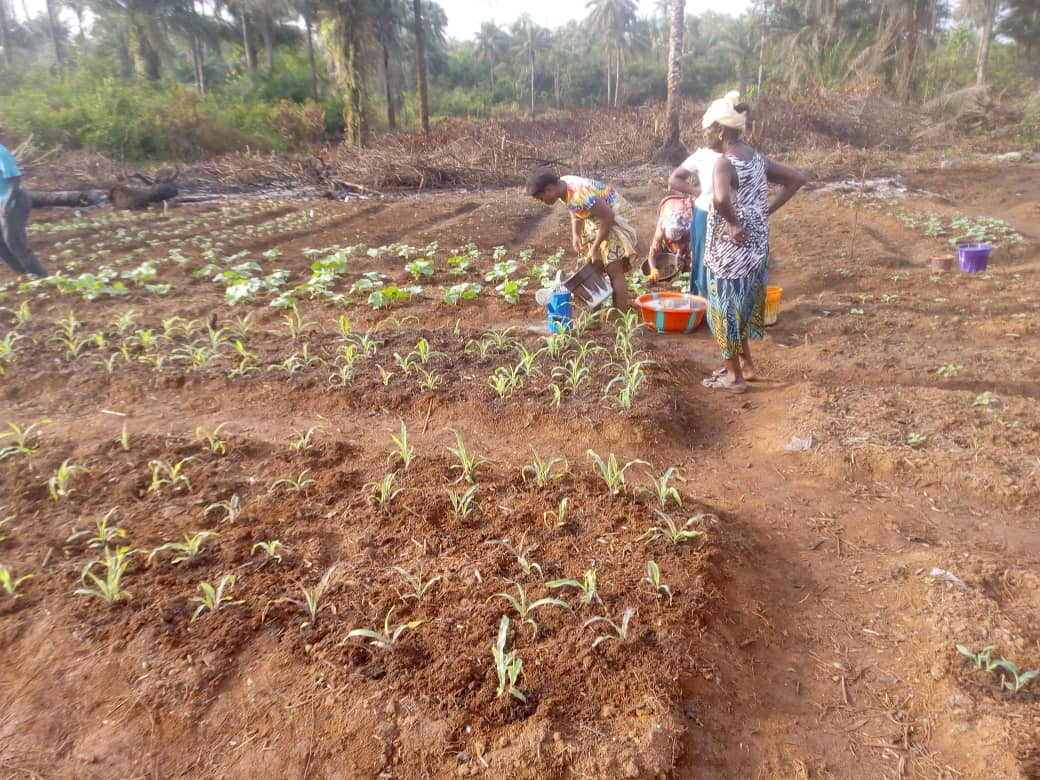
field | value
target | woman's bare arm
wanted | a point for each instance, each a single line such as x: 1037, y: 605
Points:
x: 790, y: 179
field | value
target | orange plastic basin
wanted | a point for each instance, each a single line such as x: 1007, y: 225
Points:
x: 672, y: 312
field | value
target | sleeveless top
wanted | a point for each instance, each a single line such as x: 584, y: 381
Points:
x: 728, y: 260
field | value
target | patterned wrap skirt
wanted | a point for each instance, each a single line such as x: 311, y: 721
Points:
x: 621, y: 240
x: 737, y: 308
x: 698, y: 270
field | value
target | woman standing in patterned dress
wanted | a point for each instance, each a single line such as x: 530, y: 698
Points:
x: 601, y: 224
x: 737, y: 248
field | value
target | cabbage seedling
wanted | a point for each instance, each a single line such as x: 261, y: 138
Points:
x: 653, y: 577
x: 165, y: 474
x: 507, y: 665
x: 675, y: 534
x: 462, y: 503
x: 387, y: 640
x: 383, y: 492
x: 109, y: 588
x: 981, y: 659
x: 10, y: 583
x: 404, y: 451
x: 58, y: 484
x: 212, y: 598
x: 467, y: 465
x: 619, y: 631
x: 103, y: 533
x: 661, y: 490
x: 212, y: 438
x: 311, y: 602
x: 541, y: 471
x: 611, y: 472
x: 524, y: 609
x: 417, y: 588
x: 293, y: 485
x: 587, y: 586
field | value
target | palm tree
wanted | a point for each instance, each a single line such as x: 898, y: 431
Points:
x: 389, y: 24
x: 611, y: 19
x: 673, y: 150
x: 529, y: 41
x: 420, y: 67
x: 347, y: 34
x: 491, y: 47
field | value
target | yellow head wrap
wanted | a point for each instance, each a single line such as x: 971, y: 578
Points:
x: 725, y: 113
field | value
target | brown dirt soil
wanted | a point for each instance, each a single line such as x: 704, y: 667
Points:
x: 806, y: 635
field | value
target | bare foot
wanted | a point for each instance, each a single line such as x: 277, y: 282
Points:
x: 746, y: 369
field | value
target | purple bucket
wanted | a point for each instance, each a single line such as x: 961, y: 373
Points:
x: 974, y: 257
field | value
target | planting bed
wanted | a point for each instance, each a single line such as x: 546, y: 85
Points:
x: 807, y: 621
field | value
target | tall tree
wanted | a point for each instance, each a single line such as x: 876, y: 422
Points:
x: 611, y: 19
x: 347, y: 34
x: 673, y: 150
x: 389, y: 23
x: 420, y: 67
x: 529, y: 42
x: 989, y: 9
x: 491, y: 46
x: 308, y: 9
x: 5, y: 42
x: 53, y: 26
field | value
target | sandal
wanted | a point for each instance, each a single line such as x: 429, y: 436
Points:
x: 716, y: 383
x: 723, y: 371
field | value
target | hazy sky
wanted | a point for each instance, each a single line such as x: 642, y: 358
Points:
x: 465, y: 16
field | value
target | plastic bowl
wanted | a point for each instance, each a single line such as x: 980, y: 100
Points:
x: 974, y: 257
x: 672, y: 312
x: 772, y: 304
x: 941, y: 262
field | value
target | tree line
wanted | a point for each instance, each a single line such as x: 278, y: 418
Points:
x: 384, y: 64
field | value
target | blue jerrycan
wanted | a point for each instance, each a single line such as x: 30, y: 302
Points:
x: 558, y: 312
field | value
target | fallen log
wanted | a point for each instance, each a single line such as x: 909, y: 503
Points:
x: 69, y: 198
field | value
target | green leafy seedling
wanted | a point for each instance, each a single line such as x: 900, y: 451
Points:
x: 661, y: 490
x: 21, y: 439
x: 109, y: 587
x: 613, y: 474
x: 462, y: 502
x: 467, y: 465
x: 214, y: 598
x: 212, y: 438
x: 673, y: 533
x: 103, y: 533
x: 556, y: 518
x: 653, y: 578
x: 273, y: 549
x: 507, y: 665
x: 297, y: 485
x: 403, y: 451
x: 387, y: 639
x: 10, y: 583
x: 311, y: 601
x: 416, y: 587
x: 58, y: 484
x: 525, y: 609
x: 543, y: 471
x: 187, y: 550
x: 587, y: 586
x: 618, y: 631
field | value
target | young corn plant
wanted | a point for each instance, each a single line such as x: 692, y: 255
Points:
x: 431, y: 380
x: 467, y: 465
x: 383, y: 492
x: 231, y: 508
x: 212, y: 438
x: 109, y: 586
x: 618, y: 632
x: 272, y: 549
x: 311, y: 601
x: 387, y: 639
x: 661, y: 490
x: 653, y: 578
x: 556, y: 518
x: 10, y: 583
x: 187, y: 550
x: 404, y: 451
x: 297, y: 485
x: 542, y: 471
x: 58, y: 484
x: 611, y: 472
x: 587, y: 586
x: 507, y: 665
x: 670, y: 531
x: 21, y: 439
x: 462, y: 503
x: 572, y: 374
x: 301, y: 441
x: 528, y: 359
x: 102, y: 534
x: 525, y: 609
x: 522, y: 553
x: 164, y: 473
x: 213, y: 598
x: 423, y: 352
x: 416, y: 587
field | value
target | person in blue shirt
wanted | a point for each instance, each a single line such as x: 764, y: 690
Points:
x: 14, y: 214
